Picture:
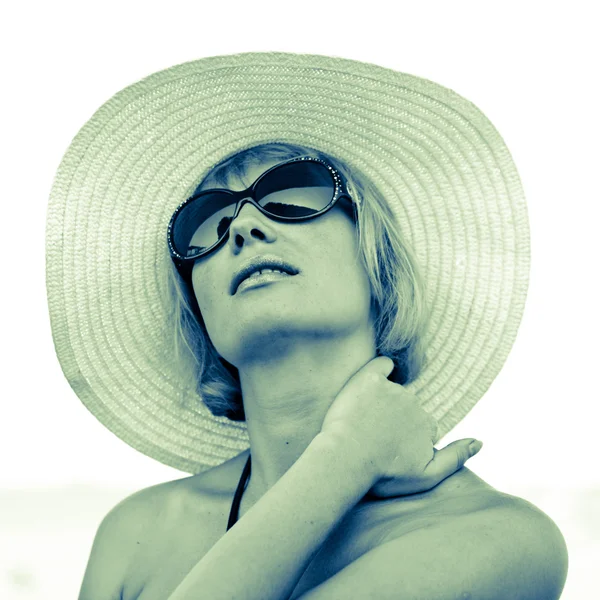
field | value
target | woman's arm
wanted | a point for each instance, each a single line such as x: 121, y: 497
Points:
x: 374, y: 429
x: 264, y: 555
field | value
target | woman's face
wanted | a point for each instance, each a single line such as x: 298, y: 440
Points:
x: 329, y: 297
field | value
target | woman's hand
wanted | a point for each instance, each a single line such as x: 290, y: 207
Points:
x: 393, y: 435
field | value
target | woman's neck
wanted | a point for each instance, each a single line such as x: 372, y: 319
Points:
x: 286, y: 400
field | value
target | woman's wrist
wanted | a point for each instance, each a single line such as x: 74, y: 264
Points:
x: 349, y: 453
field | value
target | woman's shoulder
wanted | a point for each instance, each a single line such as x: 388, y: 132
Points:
x: 499, y: 535
x: 158, y: 532
x: 160, y: 500
x: 204, y: 492
x: 463, y: 498
x: 462, y: 509
x: 468, y: 507
x: 120, y: 538
x: 201, y: 498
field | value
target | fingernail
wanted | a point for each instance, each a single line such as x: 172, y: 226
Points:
x: 475, y: 447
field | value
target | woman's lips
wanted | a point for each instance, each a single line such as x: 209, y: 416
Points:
x: 260, y: 279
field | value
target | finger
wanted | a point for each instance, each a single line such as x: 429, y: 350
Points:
x: 380, y: 364
x: 450, y: 459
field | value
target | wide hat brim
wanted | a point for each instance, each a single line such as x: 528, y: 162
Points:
x: 435, y: 157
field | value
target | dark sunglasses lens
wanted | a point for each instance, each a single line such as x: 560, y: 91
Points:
x: 202, y: 222
x: 297, y: 189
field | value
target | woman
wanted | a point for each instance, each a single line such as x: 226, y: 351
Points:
x: 341, y: 492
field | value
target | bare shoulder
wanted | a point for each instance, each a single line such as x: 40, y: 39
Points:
x: 143, y: 528
x: 513, y: 515
x: 463, y: 537
x: 162, y: 502
x: 466, y: 501
x: 115, y: 542
x: 518, y: 519
x: 512, y: 546
x: 539, y: 534
x: 525, y: 546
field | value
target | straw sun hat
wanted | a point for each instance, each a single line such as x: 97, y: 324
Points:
x: 435, y: 157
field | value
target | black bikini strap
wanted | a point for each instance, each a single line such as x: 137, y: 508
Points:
x: 235, y: 505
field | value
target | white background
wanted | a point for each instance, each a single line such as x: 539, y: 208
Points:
x: 532, y: 68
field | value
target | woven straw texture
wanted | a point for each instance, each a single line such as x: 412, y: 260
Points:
x: 435, y: 157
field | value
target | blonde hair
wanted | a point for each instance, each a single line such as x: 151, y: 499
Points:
x: 397, y: 291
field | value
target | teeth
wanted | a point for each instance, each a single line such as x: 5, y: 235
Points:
x: 257, y: 273
x: 273, y: 271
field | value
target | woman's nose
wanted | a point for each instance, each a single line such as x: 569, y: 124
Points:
x: 250, y: 225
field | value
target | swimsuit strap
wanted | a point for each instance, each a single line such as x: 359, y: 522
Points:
x: 235, y: 505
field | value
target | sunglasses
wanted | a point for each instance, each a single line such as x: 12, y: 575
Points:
x: 295, y: 190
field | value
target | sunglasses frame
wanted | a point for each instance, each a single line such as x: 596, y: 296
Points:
x: 248, y: 195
